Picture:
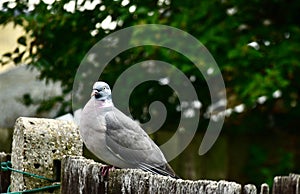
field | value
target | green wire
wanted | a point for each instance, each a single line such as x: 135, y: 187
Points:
x: 5, y: 166
x: 45, y: 188
x: 56, y: 186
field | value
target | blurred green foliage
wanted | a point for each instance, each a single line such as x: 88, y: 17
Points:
x: 59, y: 39
x: 268, y: 164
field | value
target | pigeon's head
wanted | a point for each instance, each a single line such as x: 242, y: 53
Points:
x: 101, y: 91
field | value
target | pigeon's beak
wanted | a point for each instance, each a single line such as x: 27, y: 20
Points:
x: 94, y: 92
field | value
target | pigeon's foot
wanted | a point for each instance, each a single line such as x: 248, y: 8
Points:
x: 105, y: 170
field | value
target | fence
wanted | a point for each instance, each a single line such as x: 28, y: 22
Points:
x: 50, y: 154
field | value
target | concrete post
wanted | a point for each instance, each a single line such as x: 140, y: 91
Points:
x: 38, y: 147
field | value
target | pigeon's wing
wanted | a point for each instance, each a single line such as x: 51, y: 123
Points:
x: 127, y: 140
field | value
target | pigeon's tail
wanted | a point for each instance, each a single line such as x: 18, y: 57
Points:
x: 164, y: 170
x: 169, y: 168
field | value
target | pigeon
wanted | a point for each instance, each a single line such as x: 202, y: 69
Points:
x: 116, y: 139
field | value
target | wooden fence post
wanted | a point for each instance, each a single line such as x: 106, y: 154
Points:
x: 80, y: 175
x: 249, y: 189
x: 4, y: 175
x: 38, y: 145
x: 264, y: 188
x: 287, y: 184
